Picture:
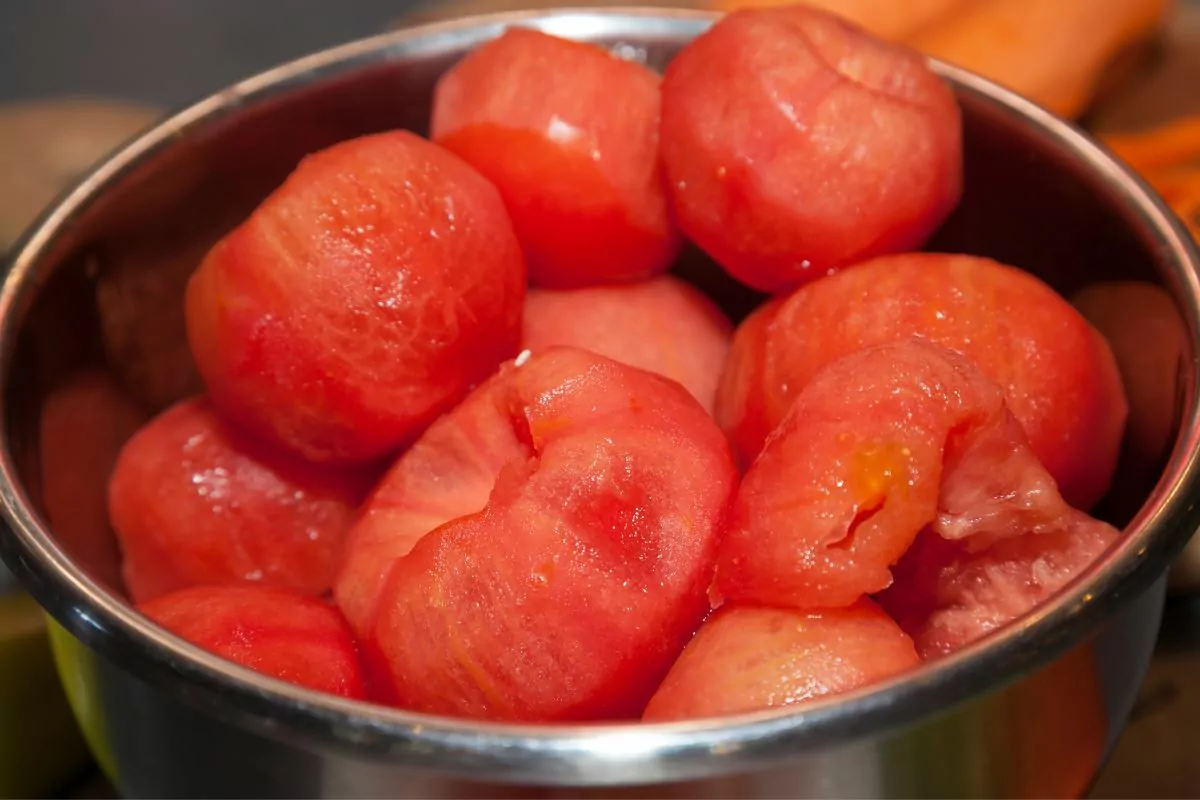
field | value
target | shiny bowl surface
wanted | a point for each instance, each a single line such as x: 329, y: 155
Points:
x: 1031, y: 711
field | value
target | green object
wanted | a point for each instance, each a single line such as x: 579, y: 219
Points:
x: 40, y: 745
x: 74, y: 669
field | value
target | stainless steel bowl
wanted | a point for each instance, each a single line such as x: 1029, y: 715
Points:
x: 1032, y: 711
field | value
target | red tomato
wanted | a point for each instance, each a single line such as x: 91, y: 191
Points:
x: 795, y: 144
x: 289, y: 636
x: 947, y: 596
x: 879, y: 445
x: 195, y: 501
x: 1148, y: 337
x: 1059, y: 376
x: 447, y: 474
x: 662, y: 325
x: 571, y: 593
x: 744, y: 408
x: 747, y: 659
x: 569, y: 135
x: 84, y: 425
x: 360, y: 300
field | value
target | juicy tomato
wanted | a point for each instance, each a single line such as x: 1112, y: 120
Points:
x: 747, y: 659
x: 292, y: 637
x: 84, y: 425
x: 795, y: 144
x: 447, y: 474
x: 947, y: 596
x: 1058, y: 373
x: 360, y: 300
x: 569, y: 595
x: 195, y: 501
x: 1148, y: 337
x: 568, y: 132
x: 662, y: 325
x: 879, y: 445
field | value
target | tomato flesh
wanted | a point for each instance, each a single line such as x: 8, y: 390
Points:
x: 360, y: 300
x: 795, y: 144
x: 195, y: 501
x: 571, y: 593
x: 447, y: 474
x: 879, y: 445
x: 1059, y: 376
x: 289, y: 636
x: 569, y: 135
x: 946, y: 596
x: 84, y: 425
x: 662, y: 325
x: 748, y: 658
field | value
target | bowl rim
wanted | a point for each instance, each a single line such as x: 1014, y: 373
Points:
x: 594, y: 754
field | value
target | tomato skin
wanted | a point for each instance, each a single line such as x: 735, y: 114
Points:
x: 795, y: 144
x: 289, y: 636
x: 195, y: 501
x: 568, y: 597
x: 748, y: 658
x: 361, y: 299
x: 569, y: 135
x: 1059, y: 375
x: 662, y: 325
x: 879, y: 445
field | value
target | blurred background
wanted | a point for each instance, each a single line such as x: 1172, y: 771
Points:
x: 77, y: 77
x: 166, y: 52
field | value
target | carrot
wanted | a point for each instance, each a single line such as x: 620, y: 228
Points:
x: 888, y: 19
x: 1169, y: 145
x: 1181, y: 190
x: 1174, y: 183
x: 452, y: 9
x: 1053, y: 51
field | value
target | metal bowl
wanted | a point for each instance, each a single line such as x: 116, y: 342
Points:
x: 1031, y: 711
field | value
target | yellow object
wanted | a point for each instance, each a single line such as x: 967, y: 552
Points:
x: 40, y: 745
x: 71, y: 658
x: 1053, y: 51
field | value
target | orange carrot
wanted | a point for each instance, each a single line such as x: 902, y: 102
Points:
x: 1052, y: 51
x: 888, y: 19
x: 437, y: 10
x: 1172, y: 144
x: 1181, y: 190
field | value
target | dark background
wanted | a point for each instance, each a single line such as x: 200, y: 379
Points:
x: 167, y: 52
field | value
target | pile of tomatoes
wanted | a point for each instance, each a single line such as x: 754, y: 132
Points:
x: 468, y: 448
